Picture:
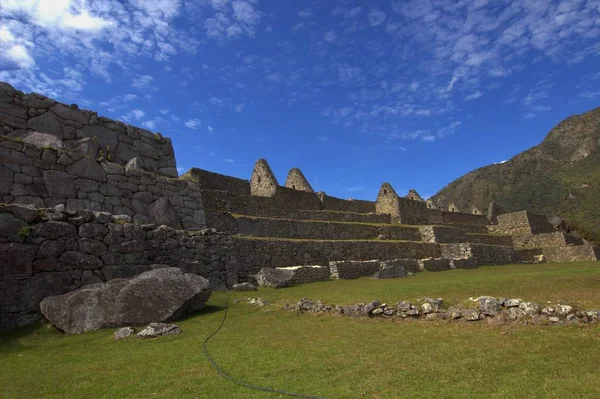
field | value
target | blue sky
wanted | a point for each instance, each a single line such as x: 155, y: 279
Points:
x: 354, y: 93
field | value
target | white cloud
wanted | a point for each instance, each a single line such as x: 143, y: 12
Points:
x: 473, y: 96
x: 210, y: 129
x: 376, y: 17
x: 306, y: 13
x: 193, y: 124
x: 142, y: 81
x: 228, y: 160
x: 16, y: 51
x: 239, y: 107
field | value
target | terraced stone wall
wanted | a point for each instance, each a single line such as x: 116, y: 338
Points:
x: 46, y: 177
x: 341, y: 205
x: 254, y: 254
x: 522, y: 223
x: 556, y: 239
x: 49, y: 252
x: 82, y: 131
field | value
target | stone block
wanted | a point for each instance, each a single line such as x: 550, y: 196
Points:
x: 48, y: 122
x: 16, y: 261
x: 79, y: 260
x: 88, y: 168
x: 59, y: 184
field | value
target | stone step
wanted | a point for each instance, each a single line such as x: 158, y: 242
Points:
x: 255, y: 253
x: 490, y: 239
x: 323, y: 230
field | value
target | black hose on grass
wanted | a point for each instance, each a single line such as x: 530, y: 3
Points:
x: 237, y: 382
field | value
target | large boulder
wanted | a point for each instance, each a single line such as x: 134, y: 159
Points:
x: 274, y: 278
x: 155, y: 296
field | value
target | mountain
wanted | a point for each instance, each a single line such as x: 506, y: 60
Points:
x: 558, y: 177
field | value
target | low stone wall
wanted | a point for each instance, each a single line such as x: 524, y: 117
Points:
x: 442, y: 234
x: 489, y: 239
x: 309, y: 274
x: 46, y: 177
x: 215, y: 181
x: 256, y: 253
x: 465, y: 218
x: 82, y: 132
x: 435, y: 264
x: 50, y: 252
x: 572, y: 253
x: 354, y: 269
x: 467, y: 255
x: 556, y: 239
x: 282, y: 228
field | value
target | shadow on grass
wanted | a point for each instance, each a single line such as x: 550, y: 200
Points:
x: 9, y: 340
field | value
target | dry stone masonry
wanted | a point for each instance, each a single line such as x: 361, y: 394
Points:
x: 85, y: 199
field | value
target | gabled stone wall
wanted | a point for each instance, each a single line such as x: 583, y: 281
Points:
x: 82, y: 132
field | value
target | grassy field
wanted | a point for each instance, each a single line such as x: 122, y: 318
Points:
x: 333, y: 357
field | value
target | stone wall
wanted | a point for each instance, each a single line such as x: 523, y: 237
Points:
x: 442, y: 234
x: 572, y: 253
x: 522, y: 223
x: 256, y: 253
x: 216, y: 181
x: 556, y: 239
x: 325, y: 230
x: 341, y: 205
x: 472, y: 255
x: 46, y: 177
x: 81, y: 131
x: 354, y: 269
x: 489, y: 239
x: 47, y: 252
x: 296, y: 181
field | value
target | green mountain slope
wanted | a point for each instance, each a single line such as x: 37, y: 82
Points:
x: 558, y: 177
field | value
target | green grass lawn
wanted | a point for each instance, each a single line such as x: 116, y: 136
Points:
x: 330, y: 356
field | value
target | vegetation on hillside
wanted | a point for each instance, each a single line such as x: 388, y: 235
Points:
x: 558, y: 177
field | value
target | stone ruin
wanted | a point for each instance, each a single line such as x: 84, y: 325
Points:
x: 86, y: 199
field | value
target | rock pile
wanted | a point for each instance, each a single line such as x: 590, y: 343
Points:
x: 492, y: 309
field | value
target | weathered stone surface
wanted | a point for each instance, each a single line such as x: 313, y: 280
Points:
x: 370, y: 307
x: 530, y: 308
x: 160, y: 295
x: 6, y: 179
x: 515, y: 313
x: 93, y: 230
x: 274, y: 278
x: 216, y: 284
x: 489, y: 305
x: 59, y: 184
x: 512, y: 302
x: 48, y: 122
x: 123, y: 333
x: 52, y: 249
x: 38, y: 139
x: 78, y: 260
x: 10, y: 225
x: 27, y: 213
x: 391, y: 271
x: 70, y: 113
x: 470, y: 314
x: 159, y: 329
x: 88, y: 168
x: 54, y: 230
x: 16, y: 260
x: 244, y: 287
x: 163, y: 213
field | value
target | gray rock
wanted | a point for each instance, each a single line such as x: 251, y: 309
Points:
x: 88, y: 168
x: 489, y: 305
x: 38, y: 139
x: 376, y: 312
x: 123, y: 333
x: 426, y: 308
x: 10, y: 226
x: 530, y: 308
x: 369, y: 307
x: 134, y: 167
x: 515, y: 313
x: 52, y: 249
x: 161, y: 295
x: 79, y: 260
x: 404, y: 306
x: 470, y: 314
x: 553, y: 319
x: 512, y: 303
x: 274, y: 278
x: 93, y: 230
x: 59, y: 184
x: 27, y: 213
x: 162, y: 212
x: 107, y: 139
x: 16, y: 261
x: 6, y: 179
x: 390, y: 271
x: 244, y: 287
x: 454, y: 313
x: 436, y: 304
x: 54, y: 230
x: 70, y: 113
x: 47, y: 123
x: 159, y: 329
x: 564, y: 310
x: 412, y: 312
